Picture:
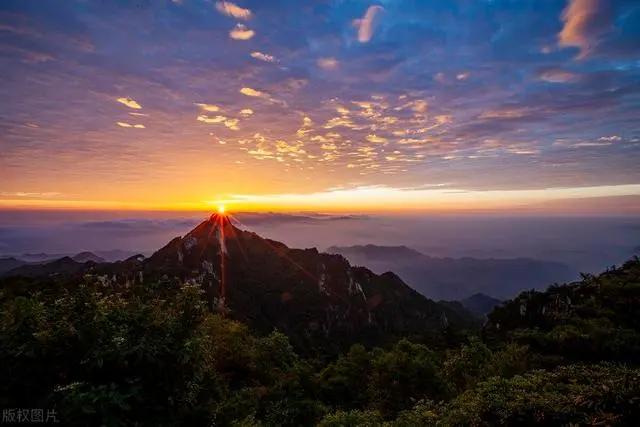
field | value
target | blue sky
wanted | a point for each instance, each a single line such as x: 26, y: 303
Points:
x: 196, y: 100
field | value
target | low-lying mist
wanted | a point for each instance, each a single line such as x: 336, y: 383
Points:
x: 586, y: 244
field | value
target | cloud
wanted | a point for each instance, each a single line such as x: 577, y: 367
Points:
x: 252, y: 92
x: 463, y: 76
x: 558, y: 76
x: 129, y: 125
x: 233, y: 10
x: 440, y: 78
x: 590, y: 144
x: 216, y: 119
x: 585, y: 23
x: 504, y: 114
x: 404, y: 79
x: 376, y: 139
x: 232, y: 124
x: 209, y: 107
x: 328, y: 63
x: 420, y: 106
x: 129, y: 103
x: 228, y: 122
x: 263, y: 57
x: 610, y: 138
x: 367, y: 25
x: 241, y: 32
x: 30, y: 194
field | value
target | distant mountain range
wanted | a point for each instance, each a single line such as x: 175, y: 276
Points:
x: 98, y: 256
x: 458, y: 278
x: 317, y: 299
x: 46, y: 265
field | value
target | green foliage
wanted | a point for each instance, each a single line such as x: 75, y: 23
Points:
x: 404, y: 374
x: 570, y: 395
x: 387, y: 381
x: 475, y: 362
x: 128, y: 359
x: 352, y: 419
x: 589, y: 321
x: 157, y: 355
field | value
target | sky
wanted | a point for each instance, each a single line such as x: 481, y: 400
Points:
x: 325, y: 105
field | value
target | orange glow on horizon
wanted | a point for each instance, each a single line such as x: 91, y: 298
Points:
x: 373, y: 199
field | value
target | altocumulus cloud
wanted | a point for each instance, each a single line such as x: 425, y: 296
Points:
x: 382, y: 100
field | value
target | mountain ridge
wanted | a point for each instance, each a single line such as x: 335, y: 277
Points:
x: 317, y: 299
x: 458, y: 278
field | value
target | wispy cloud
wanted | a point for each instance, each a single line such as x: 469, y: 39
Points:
x: 233, y: 10
x: 246, y: 112
x: 241, y: 32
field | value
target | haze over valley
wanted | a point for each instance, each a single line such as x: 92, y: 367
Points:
x: 443, y: 257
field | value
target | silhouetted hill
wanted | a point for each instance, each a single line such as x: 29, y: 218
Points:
x: 480, y: 304
x: 594, y: 319
x: 62, y: 266
x: 7, y: 264
x: 458, y: 278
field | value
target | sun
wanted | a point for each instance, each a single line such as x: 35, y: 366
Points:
x: 221, y: 209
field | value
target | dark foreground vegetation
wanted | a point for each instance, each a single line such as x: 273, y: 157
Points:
x: 157, y: 355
